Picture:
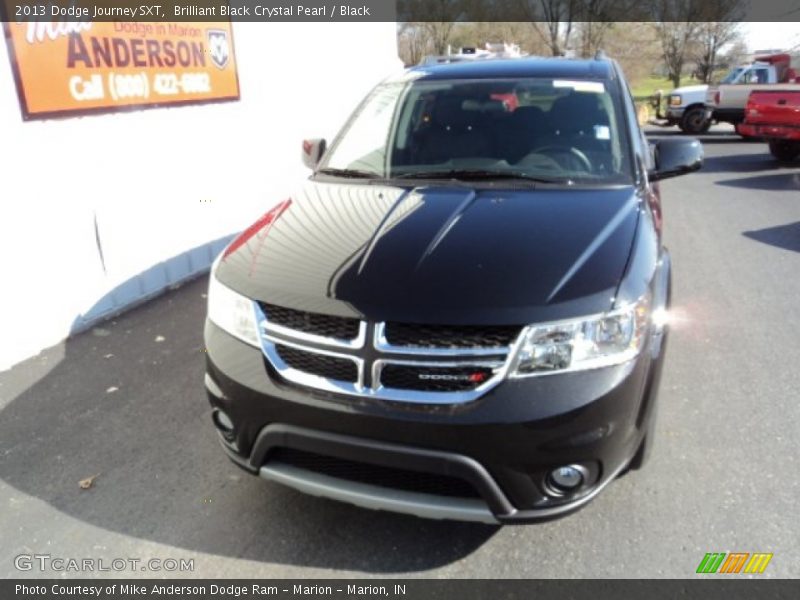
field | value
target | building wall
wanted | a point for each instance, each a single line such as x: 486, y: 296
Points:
x: 99, y: 212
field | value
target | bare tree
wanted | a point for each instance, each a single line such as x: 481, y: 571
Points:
x: 411, y: 42
x: 558, y: 24
x: 719, y: 27
x: 591, y: 36
x: 734, y: 55
x: 632, y: 45
x: 675, y: 37
x: 578, y: 26
x: 552, y: 21
x: 682, y: 24
x: 598, y: 17
x: 438, y: 34
x: 436, y: 19
x: 712, y: 36
x: 676, y: 24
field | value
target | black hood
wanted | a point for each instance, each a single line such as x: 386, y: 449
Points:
x: 445, y: 254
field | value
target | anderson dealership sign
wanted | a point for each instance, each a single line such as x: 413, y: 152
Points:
x: 64, y: 68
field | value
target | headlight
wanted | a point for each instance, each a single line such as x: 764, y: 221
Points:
x: 589, y: 343
x: 232, y: 312
x: 675, y: 100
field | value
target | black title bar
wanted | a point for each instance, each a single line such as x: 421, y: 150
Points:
x: 400, y: 10
x: 705, y: 588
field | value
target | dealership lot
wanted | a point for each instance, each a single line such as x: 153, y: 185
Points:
x: 125, y: 403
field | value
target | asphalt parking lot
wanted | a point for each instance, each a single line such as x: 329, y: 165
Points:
x: 125, y: 402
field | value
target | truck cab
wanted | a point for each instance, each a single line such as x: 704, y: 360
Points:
x: 755, y: 73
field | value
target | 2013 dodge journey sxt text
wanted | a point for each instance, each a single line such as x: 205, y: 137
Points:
x: 461, y: 313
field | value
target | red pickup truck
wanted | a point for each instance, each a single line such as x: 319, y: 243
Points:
x: 774, y: 115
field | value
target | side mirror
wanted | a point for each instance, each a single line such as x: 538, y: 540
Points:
x: 675, y: 157
x: 312, y: 152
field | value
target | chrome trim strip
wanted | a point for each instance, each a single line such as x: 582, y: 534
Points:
x: 374, y: 497
x: 491, y: 364
x: 381, y: 343
x: 268, y: 327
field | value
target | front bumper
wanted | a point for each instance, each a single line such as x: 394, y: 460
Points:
x: 675, y: 113
x: 779, y: 132
x: 503, y: 444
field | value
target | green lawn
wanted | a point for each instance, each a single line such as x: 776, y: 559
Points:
x: 647, y: 87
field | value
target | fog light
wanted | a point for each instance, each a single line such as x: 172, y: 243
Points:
x: 568, y: 478
x: 223, y: 422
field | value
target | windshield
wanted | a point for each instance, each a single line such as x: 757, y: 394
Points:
x: 731, y: 77
x: 544, y: 129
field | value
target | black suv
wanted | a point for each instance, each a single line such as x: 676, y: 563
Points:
x: 461, y: 314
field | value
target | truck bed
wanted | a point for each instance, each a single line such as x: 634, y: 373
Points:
x: 773, y: 114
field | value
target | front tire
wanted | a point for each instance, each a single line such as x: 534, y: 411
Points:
x: 694, y: 121
x: 784, y: 150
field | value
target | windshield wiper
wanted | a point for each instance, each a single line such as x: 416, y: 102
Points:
x: 481, y: 175
x: 351, y: 173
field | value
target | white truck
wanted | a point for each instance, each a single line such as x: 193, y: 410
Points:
x: 685, y: 107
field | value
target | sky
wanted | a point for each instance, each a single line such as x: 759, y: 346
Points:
x: 766, y: 36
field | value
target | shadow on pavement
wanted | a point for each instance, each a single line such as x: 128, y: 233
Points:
x: 126, y: 402
x: 782, y: 236
x: 777, y: 182
x: 741, y: 163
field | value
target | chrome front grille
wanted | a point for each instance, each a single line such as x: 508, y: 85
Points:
x: 434, y: 364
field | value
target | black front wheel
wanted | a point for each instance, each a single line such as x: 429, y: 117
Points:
x: 784, y: 150
x: 694, y: 121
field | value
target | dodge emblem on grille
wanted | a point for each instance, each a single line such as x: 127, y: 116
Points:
x: 476, y: 377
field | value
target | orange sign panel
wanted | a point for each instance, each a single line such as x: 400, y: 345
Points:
x: 79, y: 67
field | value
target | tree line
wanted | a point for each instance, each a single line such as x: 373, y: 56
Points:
x: 671, y: 36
